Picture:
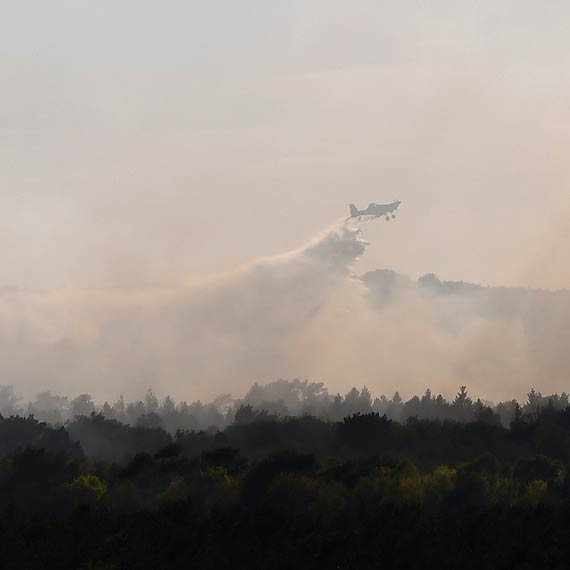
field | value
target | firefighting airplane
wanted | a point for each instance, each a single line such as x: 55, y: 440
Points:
x: 376, y: 210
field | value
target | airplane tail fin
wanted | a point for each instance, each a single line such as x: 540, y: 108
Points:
x: 353, y: 210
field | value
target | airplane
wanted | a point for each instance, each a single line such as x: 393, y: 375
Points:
x: 376, y: 210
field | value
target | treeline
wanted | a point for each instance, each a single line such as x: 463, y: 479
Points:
x: 280, y: 398
x: 272, y: 491
x: 425, y: 442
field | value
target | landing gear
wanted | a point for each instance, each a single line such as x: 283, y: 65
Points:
x: 387, y: 218
x: 393, y: 216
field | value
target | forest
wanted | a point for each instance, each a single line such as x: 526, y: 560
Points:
x: 286, y: 477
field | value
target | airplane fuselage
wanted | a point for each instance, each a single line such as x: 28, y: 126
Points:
x: 375, y: 210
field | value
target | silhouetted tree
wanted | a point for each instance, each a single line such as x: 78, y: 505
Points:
x: 81, y: 406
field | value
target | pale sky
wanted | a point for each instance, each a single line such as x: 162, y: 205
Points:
x: 143, y: 143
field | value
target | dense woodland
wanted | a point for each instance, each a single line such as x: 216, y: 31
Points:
x: 355, y: 483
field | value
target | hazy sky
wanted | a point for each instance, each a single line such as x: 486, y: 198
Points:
x: 143, y: 143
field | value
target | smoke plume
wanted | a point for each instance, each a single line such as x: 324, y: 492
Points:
x: 301, y: 314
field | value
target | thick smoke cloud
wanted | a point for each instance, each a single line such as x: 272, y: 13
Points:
x: 301, y: 314
x: 215, y: 335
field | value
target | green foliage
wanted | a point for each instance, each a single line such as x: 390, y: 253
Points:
x: 287, y: 492
x: 89, y: 484
x: 177, y: 490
